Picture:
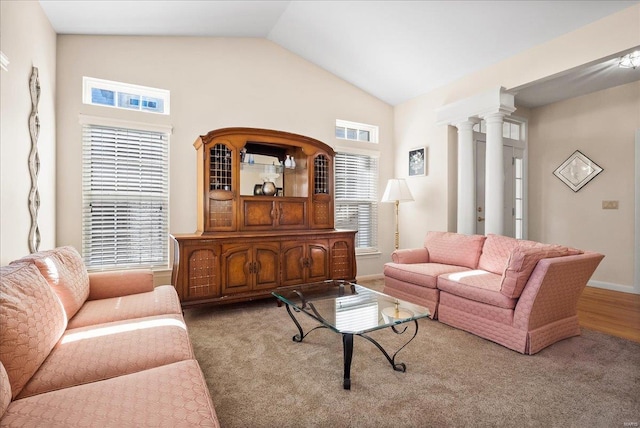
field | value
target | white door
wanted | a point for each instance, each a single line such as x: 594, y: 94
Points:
x: 514, y: 211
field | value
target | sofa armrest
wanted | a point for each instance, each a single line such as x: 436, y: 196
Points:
x: 104, y: 285
x: 410, y: 255
x: 553, y: 290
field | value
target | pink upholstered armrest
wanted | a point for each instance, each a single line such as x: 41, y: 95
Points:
x: 553, y: 290
x: 103, y: 285
x: 410, y: 255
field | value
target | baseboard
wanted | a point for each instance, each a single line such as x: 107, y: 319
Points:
x: 370, y: 277
x: 613, y: 287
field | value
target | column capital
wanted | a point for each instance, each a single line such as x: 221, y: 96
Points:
x: 495, y: 117
x: 465, y: 125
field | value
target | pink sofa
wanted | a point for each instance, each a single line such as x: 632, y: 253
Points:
x: 520, y: 294
x: 101, y: 349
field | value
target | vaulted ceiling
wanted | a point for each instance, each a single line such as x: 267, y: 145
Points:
x: 395, y: 50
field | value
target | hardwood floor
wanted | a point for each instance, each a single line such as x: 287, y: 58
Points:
x: 606, y: 311
x: 611, y: 312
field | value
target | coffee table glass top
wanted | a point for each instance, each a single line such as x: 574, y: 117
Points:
x: 349, y: 308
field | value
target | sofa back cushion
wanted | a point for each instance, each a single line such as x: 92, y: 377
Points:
x: 454, y: 248
x: 32, y: 320
x: 66, y: 273
x: 5, y: 390
x: 523, y: 260
x: 495, y: 253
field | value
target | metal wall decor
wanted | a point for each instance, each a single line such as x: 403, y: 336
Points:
x: 34, y: 161
x: 577, y: 171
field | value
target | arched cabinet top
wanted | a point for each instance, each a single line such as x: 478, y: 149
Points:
x: 239, y: 137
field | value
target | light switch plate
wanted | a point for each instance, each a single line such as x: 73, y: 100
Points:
x: 609, y: 205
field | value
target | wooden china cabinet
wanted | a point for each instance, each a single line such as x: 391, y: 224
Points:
x: 249, y: 240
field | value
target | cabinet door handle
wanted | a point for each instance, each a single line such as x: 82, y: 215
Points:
x: 248, y: 267
x: 256, y: 267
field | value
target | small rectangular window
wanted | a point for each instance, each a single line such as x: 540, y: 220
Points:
x: 152, y: 104
x: 130, y: 97
x: 356, y: 131
x: 129, y: 101
x: 102, y: 97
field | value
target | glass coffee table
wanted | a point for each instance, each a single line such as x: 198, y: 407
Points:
x: 351, y: 310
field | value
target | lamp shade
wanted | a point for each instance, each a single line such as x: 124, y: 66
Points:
x: 397, y: 191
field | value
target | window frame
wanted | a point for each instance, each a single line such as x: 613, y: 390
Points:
x: 358, y: 127
x: 373, y: 201
x: 89, y: 196
x: 121, y: 88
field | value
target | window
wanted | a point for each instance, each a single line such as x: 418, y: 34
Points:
x: 356, y: 131
x: 125, y: 96
x: 511, y: 130
x: 356, y: 198
x: 518, y: 210
x: 125, y: 196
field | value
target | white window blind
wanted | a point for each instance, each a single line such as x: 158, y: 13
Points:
x: 125, y: 197
x: 356, y: 198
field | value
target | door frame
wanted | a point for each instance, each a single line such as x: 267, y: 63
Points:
x: 636, y: 285
x: 519, y: 144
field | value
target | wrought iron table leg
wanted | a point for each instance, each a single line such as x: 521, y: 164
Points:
x: 347, y: 343
x: 399, y: 367
x: 298, y: 337
x: 301, y: 334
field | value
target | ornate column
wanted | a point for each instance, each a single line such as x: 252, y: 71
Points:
x: 491, y: 105
x: 466, y: 179
x: 494, y: 175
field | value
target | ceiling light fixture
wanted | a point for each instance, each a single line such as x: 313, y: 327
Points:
x: 630, y: 60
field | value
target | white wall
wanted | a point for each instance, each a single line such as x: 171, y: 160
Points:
x: 28, y: 40
x: 602, y: 126
x: 214, y: 83
x: 415, y: 125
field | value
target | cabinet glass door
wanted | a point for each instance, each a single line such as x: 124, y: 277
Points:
x: 221, y: 195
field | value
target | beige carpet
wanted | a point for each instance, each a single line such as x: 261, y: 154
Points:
x: 259, y: 377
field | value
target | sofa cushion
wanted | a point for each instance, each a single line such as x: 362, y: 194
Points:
x: 497, y: 250
x: 32, y: 320
x: 161, y: 301
x: 66, y: 273
x: 422, y: 274
x: 5, y: 390
x: 108, y: 284
x: 495, y: 253
x: 454, y: 248
x: 410, y: 255
x: 523, y: 260
x: 478, y: 285
x: 174, y: 395
x: 103, y: 351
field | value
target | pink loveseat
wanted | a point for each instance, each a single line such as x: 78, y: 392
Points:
x: 520, y: 294
x: 101, y: 349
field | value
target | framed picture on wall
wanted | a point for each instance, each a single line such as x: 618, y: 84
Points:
x: 417, y: 162
x: 577, y: 171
